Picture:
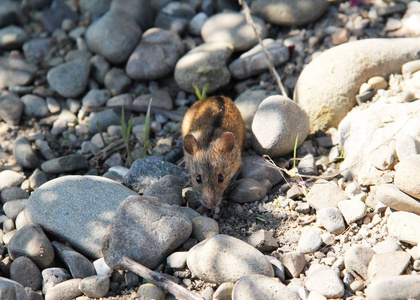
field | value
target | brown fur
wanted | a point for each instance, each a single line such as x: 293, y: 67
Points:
x: 214, y: 135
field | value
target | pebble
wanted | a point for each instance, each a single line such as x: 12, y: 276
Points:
x: 325, y: 194
x: 10, y: 178
x: 123, y: 99
x: 232, y: 28
x: 258, y: 168
x: 146, y: 171
x: 8, y: 225
x: 277, y: 111
x: 96, y: 98
x: 248, y: 102
x: 78, y: 265
x: 405, y: 175
x: 95, y: 286
x: 405, y: 145
x: 102, y: 268
x: 52, y: 277
x: 257, y: 286
x: 11, y: 108
x: 16, y: 72
x: 67, y: 163
x: 325, y: 281
x: 200, y: 66
x: 141, y: 11
x: 68, y: 289
x: 254, y: 61
x: 388, y: 264
x: 204, y: 228
x: 331, y: 219
x: 395, y: 287
x: 289, y: 12
x: 12, y: 289
x: 14, y: 207
x: 95, y: 7
x: 393, y: 197
x: 410, y: 67
x: 356, y: 260
x: 196, y: 23
x: 12, y: 37
x: 114, y: 36
x: 247, y: 190
x: 24, y: 154
x: 105, y: 119
x: 224, y: 291
x: 24, y: 271
x: 352, y: 210
x: 211, y: 260
x: 99, y: 67
x: 263, y: 240
x: 307, y: 165
x: 404, y: 226
x: 34, y: 106
x: 71, y: 78
x: 177, y: 260
x: 150, y: 291
x: 117, y: 81
x: 353, y: 71
x: 61, y: 124
x: 309, y: 242
x: 156, y: 55
x: 294, y: 262
x: 21, y: 220
x: 66, y: 196
x: 137, y: 220
x: 13, y: 193
x: 30, y: 241
x: 175, y: 16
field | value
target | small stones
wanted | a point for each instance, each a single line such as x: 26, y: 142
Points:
x: 309, y: 242
x: 24, y: 154
x: 95, y: 286
x: 155, y: 56
x: 388, y: 264
x: 65, y: 164
x: 24, y: 271
x: 352, y: 210
x: 255, y: 287
x: 219, y: 250
x: 405, y: 176
x: 114, y: 36
x: 96, y: 98
x: 331, y: 219
x: 404, y: 226
x: 276, y: 113
x: 204, y: 228
x: 325, y: 281
x: 357, y: 259
x: 247, y: 190
x: 69, y: 79
x: 205, y: 64
x: 78, y: 265
x: 232, y: 28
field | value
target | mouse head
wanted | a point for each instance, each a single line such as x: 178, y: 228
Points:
x: 213, y: 167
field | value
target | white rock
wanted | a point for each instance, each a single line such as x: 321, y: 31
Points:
x: 388, y: 264
x: 309, y: 242
x: 102, y: 268
x: 331, y: 219
x: 357, y: 259
x: 325, y: 194
x: 352, y: 210
x: 325, y: 281
x: 406, y: 175
x: 396, y: 287
x: 404, y: 226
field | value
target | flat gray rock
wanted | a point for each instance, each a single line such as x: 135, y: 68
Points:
x: 309, y: 242
x: 31, y: 241
x: 352, y: 210
x: 77, y: 209
x: 14, y: 71
x: 146, y: 231
x: 232, y: 28
x: 331, y: 219
x: 326, y: 99
x: 396, y: 287
x: 67, y: 163
x: 95, y: 286
x: 258, y: 168
x: 34, y: 106
x: 258, y: 287
x: 52, y: 277
x: 156, y: 55
x: 276, y: 124
x: 78, y: 265
x: 146, y: 171
x: 168, y: 189
x: 294, y: 262
x: 211, y: 260
x: 205, y: 64
x: 70, y: 78
x: 114, y: 36
x: 289, y: 12
x: 204, y: 228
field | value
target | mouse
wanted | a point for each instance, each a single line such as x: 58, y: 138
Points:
x: 214, y: 133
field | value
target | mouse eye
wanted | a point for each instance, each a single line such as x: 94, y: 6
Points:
x: 198, y: 179
x: 220, y: 178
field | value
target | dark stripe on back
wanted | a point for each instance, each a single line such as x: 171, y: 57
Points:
x: 217, y: 122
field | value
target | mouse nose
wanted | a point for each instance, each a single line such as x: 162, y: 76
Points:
x: 211, y: 200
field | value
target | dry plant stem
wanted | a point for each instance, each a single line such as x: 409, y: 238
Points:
x: 167, y: 285
x: 273, y: 71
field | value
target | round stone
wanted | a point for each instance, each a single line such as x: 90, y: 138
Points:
x: 406, y: 174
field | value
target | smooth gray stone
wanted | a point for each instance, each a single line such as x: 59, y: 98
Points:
x: 14, y: 207
x: 11, y: 108
x: 67, y: 163
x: 77, y: 209
x: 168, y: 189
x: 66, y: 290
x: 139, y: 10
x: 14, y: 71
x: 10, y: 289
x: 24, y: 154
x: 24, y: 271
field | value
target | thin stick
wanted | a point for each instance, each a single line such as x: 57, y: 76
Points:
x: 171, y: 287
x: 273, y: 71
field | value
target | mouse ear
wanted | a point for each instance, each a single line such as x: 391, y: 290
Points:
x: 227, y: 142
x: 190, y: 143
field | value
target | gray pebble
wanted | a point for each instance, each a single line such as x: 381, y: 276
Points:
x: 325, y: 281
x: 114, y: 36
x: 95, y: 286
x: 12, y: 290
x: 8, y: 226
x: 24, y: 154
x: 65, y: 290
x: 16, y: 72
x: 52, y: 277
x: 258, y: 168
x: 307, y: 165
x: 161, y: 98
x: 34, y: 106
x: 116, y: 81
x: 13, y: 193
x: 386, y: 246
x: 53, y: 105
x: 410, y: 67
x: 24, y: 271
x: 168, y: 189
x: 11, y: 108
x: 331, y: 219
x: 95, y: 7
x: 96, y: 98
x: 204, y: 228
x: 196, y: 23
x: 263, y: 240
x: 99, y: 67
x: 404, y: 226
x: 105, y: 118
x: 352, y: 210
x: 404, y: 180
x: 389, y: 264
x: 21, y: 220
x: 294, y: 262
x: 395, y: 287
x: 61, y: 124
x: 177, y: 260
x: 36, y: 49
x: 65, y: 164
x: 37, y: 179
x: 325, y: 194
x: 309, y: 242
x: 14, y: 207
x: 12, y: 37
x: 123, y: 99
x: 139, y: 10
x: 150, y: 291
x: 175, y: 16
